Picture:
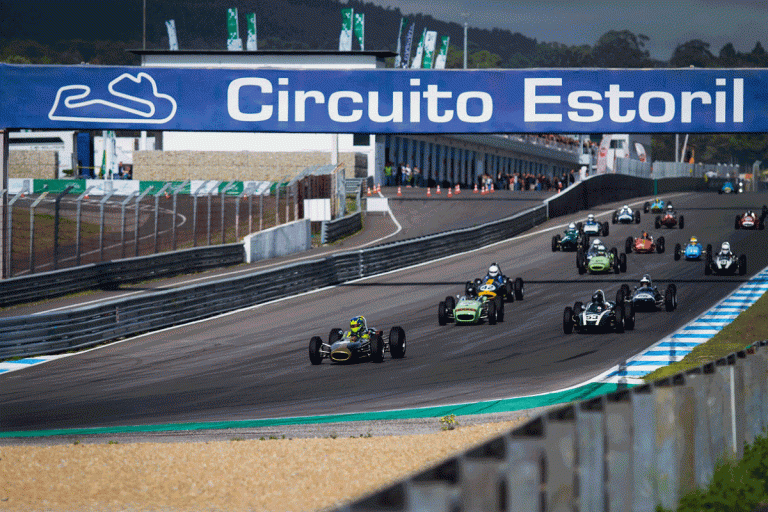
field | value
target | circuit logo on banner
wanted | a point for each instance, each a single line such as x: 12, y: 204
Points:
x: 385, y: 100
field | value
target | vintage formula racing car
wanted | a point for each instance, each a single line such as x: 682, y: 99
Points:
x: 571, y: 240
x: 598, y: 260
x: 655, y: 206
x: 592, y: 227
x: 647, y: 297
x: 693, y: 250
x: 750, y: 220
x: 471, y: 309
x: 644, y: 243
x: 725, y: 262
x: 365, y: 344
x: 728, y: 188
x: 669, y: 219
x: 599, y: 315
x: 625, y: 215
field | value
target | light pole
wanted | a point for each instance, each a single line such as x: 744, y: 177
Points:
x: 465, y: 16
x: 144, y: 25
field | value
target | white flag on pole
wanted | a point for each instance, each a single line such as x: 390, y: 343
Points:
x: 398, y: 57
x: 345, y: 38
x: 173, y: 43
x: 416, y: 64
x: 360, y: 29
x: 251, y: 43
x: 429, y: 49
x: 443, y: 55
x: 602, y: 154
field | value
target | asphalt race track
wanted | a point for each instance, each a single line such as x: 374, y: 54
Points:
x: 254, y: 364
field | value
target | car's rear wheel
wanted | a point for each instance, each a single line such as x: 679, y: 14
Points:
x: 509, y: 291
x: 499, y: 309
x: 637, y: 216
x: 315, y: 357
x: 519, y: 288
x: 708, y: 267
x: 377, y: 348
x: 670, y: 298
x: 620, y: 296
x: 736, y: 223
x: 681, y: 222
x: 660, y: 245
x: 605, y: 228
x: 709, y: 251
x: 626, y: 290
x: 397, y: 342
x: 628, y: 244
x: 615, y: 218
x: 623, y: 262
x: 555, y: 242
x: 657, y: 222
x: 620, y: 317
x: 742, y: 264
x: 577, y: 307
x: 678, y: 251
x: 450, y: 303
x: 335, y: 335
x: 491, y: 312
x: 646, y: 207
x: 442, y: 315
x: 567, y: 320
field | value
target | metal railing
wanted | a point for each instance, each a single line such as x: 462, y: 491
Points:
x: 632, y: 449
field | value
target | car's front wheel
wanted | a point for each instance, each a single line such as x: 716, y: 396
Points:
x: 377, y: 348
x: 397, y: 342
x: 567, y: 320
x: 491, y: 312
x: 519, y: 288
x: 442, y: 315
x: 678, y: 251
x: 315, y: 357
x: 670, y: 298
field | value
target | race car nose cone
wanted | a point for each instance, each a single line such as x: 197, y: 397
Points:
x: 342, y: 354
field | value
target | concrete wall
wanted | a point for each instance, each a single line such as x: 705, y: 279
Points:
x: 278, y: 241
x: 234, y: 165
x: 34, y: 164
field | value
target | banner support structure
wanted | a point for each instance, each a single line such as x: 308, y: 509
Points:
x: 4, y: 242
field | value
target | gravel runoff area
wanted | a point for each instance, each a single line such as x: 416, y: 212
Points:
x: 291, y: 468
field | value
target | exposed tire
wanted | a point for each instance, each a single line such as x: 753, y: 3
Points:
x: 605, y: 228
x: 646, y: 207
x: 736, y: 223
x: 567, y: 320
x: 577, y: 307
x: 555, y: 242
x: 492, y: 312
x: 637, y: 216
x: 623, y: 262
x: 377, y: 349
x: 742, y: 264
x: 628, y: 243
x: 615, y: 252
x: 442, y: 315
x: 579, y: 264
x: 519, y: 288
x: 620, y: 318
x: 397, y: 342
x: 708, y: 267
x: 579, y: 225
x: 709, y: 251
x: 616, y: 266
x: 509, y: 291
x: 629, y: 316
x: 315, y: 357
x: 660, y: 245
x: 466, y: 287
x: 657, y: 222
x: 678, y: 251
x: 681, y: 222
x: 450, y: 303
x: 499, y: 309
x: 335, y: 335
x: 620, y: 296
x: 626, y: 290
x: 615, y: 218
x: 670, y: 298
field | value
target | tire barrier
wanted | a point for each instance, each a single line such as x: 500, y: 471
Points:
x: 632, y: 449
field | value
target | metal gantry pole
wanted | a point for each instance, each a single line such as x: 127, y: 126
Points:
x: 103, y: 201
x: 163, y: 190
x: 223, y: 197
x: 20, y: 194
x: 78, y: 235
x: 136, y: 223
x: 123, y: 205
x: 57, y: 207
x: 32, y: 232
x: 173, y: 224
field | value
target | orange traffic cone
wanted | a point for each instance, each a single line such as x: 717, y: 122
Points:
x: 429, y: 192
x: 458, y: 189
x: 399, y: 192
x: 475, y: 191
x: 491, y: 187
x: 367, y: 191
x: 485, y: 190
x: 438, y: 190
x: 449, y: 192
x: 378, y: 188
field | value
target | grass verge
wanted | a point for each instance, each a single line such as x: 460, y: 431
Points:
x: 750, y: 326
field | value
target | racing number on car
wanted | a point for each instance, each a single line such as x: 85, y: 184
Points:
x: 487, y: 288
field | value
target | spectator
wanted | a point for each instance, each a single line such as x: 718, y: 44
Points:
x: 399, y: 174
x: 407, y: 175
x: 388, y: 174
x: 417, y: 177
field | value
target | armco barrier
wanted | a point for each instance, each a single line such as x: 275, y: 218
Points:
x: 629, y: 450
x: 111, y: 274
x: 333, y: 230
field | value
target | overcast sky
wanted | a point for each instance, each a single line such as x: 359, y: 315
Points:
x: 576, y: 22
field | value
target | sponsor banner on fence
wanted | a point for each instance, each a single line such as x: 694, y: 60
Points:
x: 385, y: 101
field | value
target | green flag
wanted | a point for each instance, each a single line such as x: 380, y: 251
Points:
x: 416, y: 64
x: 443, y: 55
x: 233, y: 32
x: 251, y: 43
x: 360, y: 29
x: 345, y: 38
x: 429, y: 49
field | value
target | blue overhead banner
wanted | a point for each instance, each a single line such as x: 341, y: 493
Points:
x: 385, y: 100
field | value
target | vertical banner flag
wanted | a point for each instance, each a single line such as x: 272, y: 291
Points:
x: 443, y: 55
x: 602, y: 154
x: 173, y: 43
x: 640, y: 151
x: 398, y: 57
x: 408, y: 43
x: 233, y: 32
x: 360, y: 29
x: 251, y: 43
x: 429, y: 49
x: 345, y: 38
x: 416, y: 64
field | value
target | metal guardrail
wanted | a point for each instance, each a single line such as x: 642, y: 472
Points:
x: 632, y: 449
x: 111, y: 274
x: 87, y: 326
x: 333, y: 230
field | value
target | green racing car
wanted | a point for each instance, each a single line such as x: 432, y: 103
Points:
x: 572, y: 240
x: 471, y: 308
x: 598, y: 260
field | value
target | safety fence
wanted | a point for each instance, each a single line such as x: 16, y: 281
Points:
x: 333, y: 230
x: 49, y: 333
x: 632, y: 449
x: 112, y: 274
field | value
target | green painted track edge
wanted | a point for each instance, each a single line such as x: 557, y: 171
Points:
x: 582, y: 392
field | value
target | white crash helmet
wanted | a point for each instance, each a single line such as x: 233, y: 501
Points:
x: 601, y: 247
x: 726, y: 247
x: 645, y: 280
x: 572, y: 225
x: 598, y: 296
x: 494, y: 270
x: 590, y: 217
x: 596, y: 242
x: 669, y: 207
x: 625, y: 207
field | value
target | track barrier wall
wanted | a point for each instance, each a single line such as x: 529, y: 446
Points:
x: 279, y: 241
